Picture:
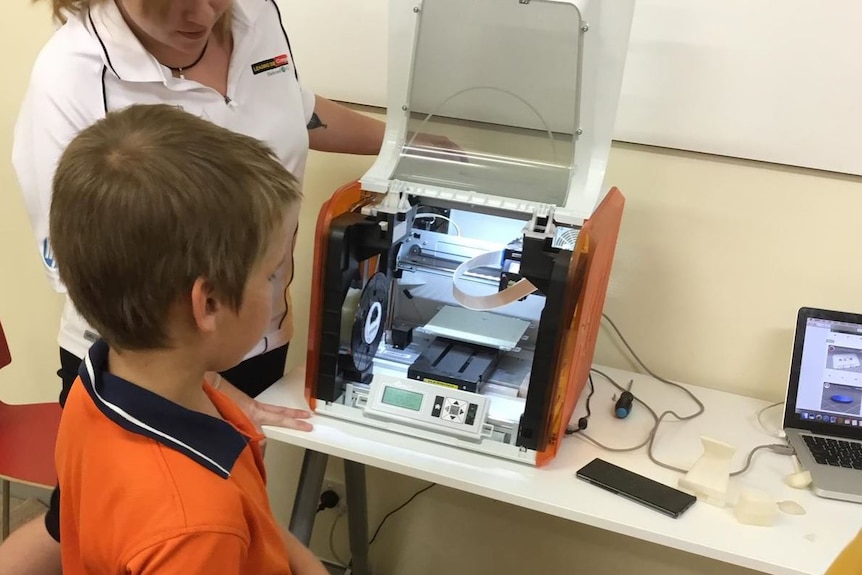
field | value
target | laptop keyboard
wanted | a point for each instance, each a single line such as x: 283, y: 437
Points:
x: 835, y: 452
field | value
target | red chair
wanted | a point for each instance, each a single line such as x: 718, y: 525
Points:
x: 27, y: 437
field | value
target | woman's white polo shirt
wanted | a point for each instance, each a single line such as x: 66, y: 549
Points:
x: 94, y: 63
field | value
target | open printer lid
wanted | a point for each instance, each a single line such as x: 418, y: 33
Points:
x: 526, y: 89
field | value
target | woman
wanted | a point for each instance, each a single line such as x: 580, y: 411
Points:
x: 225, y: 60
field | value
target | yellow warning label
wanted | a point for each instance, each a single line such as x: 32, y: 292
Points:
x: 438, y: 382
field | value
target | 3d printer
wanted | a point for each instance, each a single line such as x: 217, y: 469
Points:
x: 458, y: 290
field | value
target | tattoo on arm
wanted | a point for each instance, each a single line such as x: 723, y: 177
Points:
x: 315, y: 122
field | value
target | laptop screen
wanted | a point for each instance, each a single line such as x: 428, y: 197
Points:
x: 829, y: 389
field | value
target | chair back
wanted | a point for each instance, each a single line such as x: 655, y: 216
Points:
x: 5, y: 356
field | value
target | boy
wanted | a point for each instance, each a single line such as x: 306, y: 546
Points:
x: 160, y: 472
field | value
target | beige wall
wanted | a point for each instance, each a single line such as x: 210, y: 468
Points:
x: 29, y: 309
x: 715, y: 257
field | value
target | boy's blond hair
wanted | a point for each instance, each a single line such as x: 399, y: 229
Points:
x: 62, y: 8
x: 148, y: 200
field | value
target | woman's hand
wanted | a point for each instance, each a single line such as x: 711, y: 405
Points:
x: 435, y: 146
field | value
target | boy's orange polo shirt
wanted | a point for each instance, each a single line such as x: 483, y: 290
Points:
x: 149, y: 487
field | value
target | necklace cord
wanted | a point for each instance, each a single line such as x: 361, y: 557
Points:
x: 181, y: 69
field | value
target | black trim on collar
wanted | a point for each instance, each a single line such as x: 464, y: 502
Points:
x: 211, y: 442
x: 104, y: 90
x: 104, y: 48
x: 286, y: 39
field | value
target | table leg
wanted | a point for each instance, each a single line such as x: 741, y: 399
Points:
x: 307, y: 495
x: 357, y: 516
x: 7, y: 510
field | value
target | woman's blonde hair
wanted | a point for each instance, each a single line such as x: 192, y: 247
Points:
x: 61, y: 8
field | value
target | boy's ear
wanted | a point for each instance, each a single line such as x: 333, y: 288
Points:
x: 205, y: 305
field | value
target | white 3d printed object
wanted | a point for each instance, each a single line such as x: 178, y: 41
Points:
x: 709, y: 476
x: 756, y: 508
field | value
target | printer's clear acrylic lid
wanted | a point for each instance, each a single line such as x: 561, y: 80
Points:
x: 527, y: 90
x: 499, y: 79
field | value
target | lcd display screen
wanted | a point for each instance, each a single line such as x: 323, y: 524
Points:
x: 402, y: 398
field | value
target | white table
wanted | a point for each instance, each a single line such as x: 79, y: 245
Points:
x: 794, y: 545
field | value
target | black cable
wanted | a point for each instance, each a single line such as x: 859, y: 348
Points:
x: 582, y: 422
x: 590, y: 395
x: 396, y: 510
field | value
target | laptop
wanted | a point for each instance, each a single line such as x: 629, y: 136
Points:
x: 823, y: 409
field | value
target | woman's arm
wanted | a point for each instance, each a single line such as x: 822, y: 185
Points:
x: 336, y: 128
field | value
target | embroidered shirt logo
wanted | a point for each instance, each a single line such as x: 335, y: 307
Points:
x: 271, y: 64
x: 48, y: 255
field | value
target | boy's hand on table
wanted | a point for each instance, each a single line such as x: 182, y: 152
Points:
x: 268, y: 414
x: 264, y: 413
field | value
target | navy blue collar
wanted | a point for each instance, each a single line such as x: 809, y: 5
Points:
x: 212, y: 442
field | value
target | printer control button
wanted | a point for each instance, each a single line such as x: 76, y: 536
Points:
x: 438, y: 406
x: 471, y: 413
x: 453, y: 410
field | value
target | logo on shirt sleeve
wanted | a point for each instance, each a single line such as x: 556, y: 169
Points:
x: 48, y: 255
x: 271, y: 64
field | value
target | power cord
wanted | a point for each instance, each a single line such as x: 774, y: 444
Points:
x: 328, y: 500
x: 396, y: 510
x: 341, y: 562
x: 347, y: 564
x: 657, y: 419
x: 775, y: 447
x: 776, y: 433
x: 700, y: 407
x: 583, y: 422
